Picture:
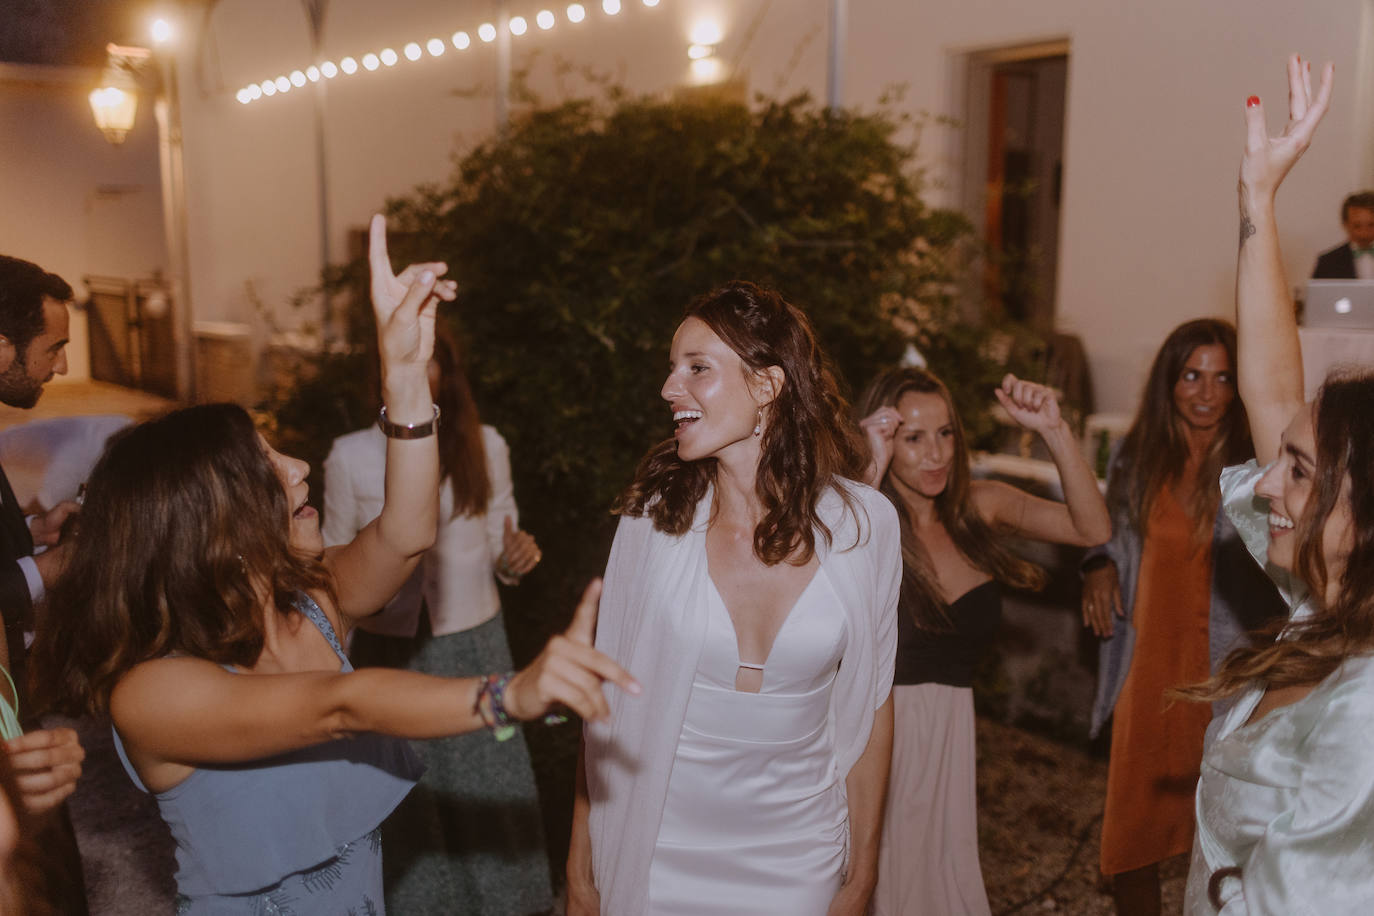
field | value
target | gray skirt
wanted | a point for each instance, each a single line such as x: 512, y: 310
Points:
x: 469, y: 838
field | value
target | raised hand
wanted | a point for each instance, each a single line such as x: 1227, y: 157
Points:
x: 880, y: 428
x: 1032, y: 406
x: 1268, y: 159
x: 405, y: 304
x: 569, y: 671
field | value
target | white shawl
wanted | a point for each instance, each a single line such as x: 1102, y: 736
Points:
x: 653, y: 622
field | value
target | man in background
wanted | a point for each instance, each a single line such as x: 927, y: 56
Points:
x: 46, y: 762
x: 1353, y: 260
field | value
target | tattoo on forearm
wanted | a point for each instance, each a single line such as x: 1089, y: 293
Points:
x: 1247, y: 228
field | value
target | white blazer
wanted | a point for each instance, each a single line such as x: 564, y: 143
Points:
x: 455, y: 579
x: 655, y: 586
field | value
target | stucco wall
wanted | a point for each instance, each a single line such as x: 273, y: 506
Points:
x: 72, y: 202
x: 1154, y: 129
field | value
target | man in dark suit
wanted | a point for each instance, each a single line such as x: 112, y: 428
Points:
x: 1353, y: 260
x: 46, y: 762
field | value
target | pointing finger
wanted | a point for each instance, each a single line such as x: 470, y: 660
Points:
x: 376, y: 246
x: 583, y: 627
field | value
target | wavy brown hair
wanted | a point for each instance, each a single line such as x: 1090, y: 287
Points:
x: 462, y: 458
x: 1155, y: 451
x: 1312, y: 648
x: 807, y: 439
x: 974, y: 538
x: 184, y: 523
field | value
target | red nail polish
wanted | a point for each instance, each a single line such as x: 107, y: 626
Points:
x: 1252, y: 102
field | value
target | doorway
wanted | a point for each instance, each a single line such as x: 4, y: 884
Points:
x: 1015, y: 175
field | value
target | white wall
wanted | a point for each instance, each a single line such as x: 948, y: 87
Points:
x: 73, y: 203
x: 251, y: 169
x: 1155, y: 107
x: 1154, y: 113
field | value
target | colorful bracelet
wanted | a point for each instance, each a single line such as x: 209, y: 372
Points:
x: 500, y: 723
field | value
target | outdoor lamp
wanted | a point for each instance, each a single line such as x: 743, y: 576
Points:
x: 115, y: 103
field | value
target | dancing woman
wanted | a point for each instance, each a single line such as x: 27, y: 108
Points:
x: 1285, y: 803
x: 469, y: 838
x: 954, y: 564
x: 202, y: 611
x: 753, y: 583
x: 1176, y: 572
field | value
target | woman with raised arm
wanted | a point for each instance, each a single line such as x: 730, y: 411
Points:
x: 1285, y: 803
x: 469, y: 839
x: 203, y: 612
x: 1186, y: 589
x: 954, y: 564
x: 753, y: 582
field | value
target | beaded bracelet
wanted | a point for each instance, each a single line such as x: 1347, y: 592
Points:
x: 501, y: 724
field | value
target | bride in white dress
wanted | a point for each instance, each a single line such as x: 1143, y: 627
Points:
x: 752, y: 588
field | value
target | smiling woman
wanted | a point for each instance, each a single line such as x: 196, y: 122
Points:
x: 753, y: 583
x: 955, y: 559
x: 202, y: 612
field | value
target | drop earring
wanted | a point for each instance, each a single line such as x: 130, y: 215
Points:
x: 758, y: 427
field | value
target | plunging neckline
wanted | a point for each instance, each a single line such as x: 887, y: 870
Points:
x: 739, y: 659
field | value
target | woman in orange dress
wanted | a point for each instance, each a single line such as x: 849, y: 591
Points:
x: 1157, y: 574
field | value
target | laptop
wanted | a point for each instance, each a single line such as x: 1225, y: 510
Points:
x: 1339, y: 305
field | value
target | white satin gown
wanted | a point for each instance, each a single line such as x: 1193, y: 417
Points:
x: 755, y: 820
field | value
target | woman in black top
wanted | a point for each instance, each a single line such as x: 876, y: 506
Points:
x: 954, y: 560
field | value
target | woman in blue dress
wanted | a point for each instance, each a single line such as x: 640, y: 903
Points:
x: 203, y: 613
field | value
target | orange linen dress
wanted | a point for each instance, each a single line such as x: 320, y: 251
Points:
x: 1156, y: 753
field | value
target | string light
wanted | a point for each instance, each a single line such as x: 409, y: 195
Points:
x: 461, y: 40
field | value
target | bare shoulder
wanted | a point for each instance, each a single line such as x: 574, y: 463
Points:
x: 992, y: 497
x: 152, y: 686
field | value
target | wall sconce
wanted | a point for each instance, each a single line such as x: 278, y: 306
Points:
x: 115, y: 103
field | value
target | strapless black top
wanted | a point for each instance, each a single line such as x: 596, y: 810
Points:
x: 925, y: 657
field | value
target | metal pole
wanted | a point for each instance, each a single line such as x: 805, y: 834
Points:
x: 502, y: 65
x: 329, y: 324
x: 834, y: 81
x: 172, y: 167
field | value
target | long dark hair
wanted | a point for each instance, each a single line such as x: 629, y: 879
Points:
x: 972, y: 537
x: 1310, y: 649
x: 184, y: 526
x: 462, y: 458
x: 1155, y: 452
x: 807, y: 441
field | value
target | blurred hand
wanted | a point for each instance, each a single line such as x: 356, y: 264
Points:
x: 519, y: 552
x: 47, y: 528
x: 583, y: 898
x: 880, y: 428
x: 47, y: 764
x: 1101, y: 599
x: 569, y: 671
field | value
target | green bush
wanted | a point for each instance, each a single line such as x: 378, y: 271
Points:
x: 578, y: 235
